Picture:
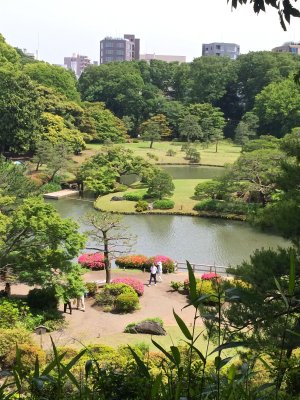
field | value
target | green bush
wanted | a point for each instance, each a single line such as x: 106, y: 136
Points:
x: 133, y: 196
x: 127, y: 302
x: 176, y: 285
x: 141, y: 206
x: 50, y: 187
x: 42, y: 299
x: 207, y: 287
x: 152, y: 156
x: 120, y: 188
x: 91, y: 288
x: 164, y: 204
x: 28, y: 354
x: 209, y: 189
x: 185, y: 146
x: 115, y: 289
x: 171, y: 153
x: 10, y: 337
x: 225, y: 207
x: 10, y: 313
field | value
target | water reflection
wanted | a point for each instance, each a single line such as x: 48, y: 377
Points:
x: 199, y: 240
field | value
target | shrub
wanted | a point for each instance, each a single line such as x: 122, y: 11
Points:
x: 50, y: 187
x: 9, y: 312
x: 209, y: 189
x: 185, y: 146
x: 138, y: 261
x: 133, y: 196
x: 111, y: 292
x: 135, y: 140
x: 104, y: 299
x: 28, y: 355
x: 176, y: 285
x: 141, y: 206
x: 10, y: 337
x: 167, y: 263
x: 226, y: 207
x: 42, y: 298
x: 164, y: 204
x: 94, y: 261
x: 127, y: 302
x: 115, y: 289
x: 171, y: 153
x: 91, y: 288
x: 120, y: 187
x: 136, y: 284
x: 152, y: 156
x: 209, y: 276
x: 206, y: 287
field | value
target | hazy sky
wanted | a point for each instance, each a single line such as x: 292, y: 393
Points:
x: 59, y: 28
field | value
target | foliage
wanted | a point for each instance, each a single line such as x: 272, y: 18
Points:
x: 176, y: 285
x: 247, y: 128
x: 209, y: 189
x: 141, y: 205
x: 42, y: 299
x: 207, y: 288
x: 59, y: 78
x: 171, y: 153
x: 155, y: 129
x: 28, y: 355
x: 50, y: 187
x: 161, y: 185
x: 133, y: 196
x: 91, y: 288
x: 164, y: 204
x: 221, y: 206
x: 189, y: 128
x: 136, y: 284
x: 132, y: 261
x: 94, y: 261
x: 9, y: 338
x: 193, y: 155
x: 126, y: 302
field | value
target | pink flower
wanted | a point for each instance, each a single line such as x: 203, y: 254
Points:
x: 210, y: 275
x: 95, y: 261
x: 136, y: 284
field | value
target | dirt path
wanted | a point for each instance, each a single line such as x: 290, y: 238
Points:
x: 94, y: 324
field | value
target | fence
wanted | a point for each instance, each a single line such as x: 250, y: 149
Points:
x: 203, y: 268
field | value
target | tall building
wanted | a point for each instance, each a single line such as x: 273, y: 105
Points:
x: 118, y: 49
x: 77, y: 63
x: 288, y: 47
x: 231, y: 50
x: 163, y: 57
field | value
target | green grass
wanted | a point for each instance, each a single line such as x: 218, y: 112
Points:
x: 227, y: 152
x: 183, y: 198
x: 174, y: 336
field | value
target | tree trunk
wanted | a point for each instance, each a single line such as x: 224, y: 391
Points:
x: 151, y: 144
x: 106, y: 259
x: 217, y: 146
x: 37, y: 166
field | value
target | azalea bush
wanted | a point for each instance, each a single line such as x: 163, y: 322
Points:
x: 94, y: 261
x: 138, y: 261
x: 136, y: 284
x: 210, y: 275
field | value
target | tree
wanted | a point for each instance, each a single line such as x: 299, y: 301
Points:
x: 35, y: 240
x: 41, y: 153
x: 108, y: 232
x: 53, y: 76
x: 246, y: 128
x: 189, y: 127
x: 216, y: 135
x: 59, y: 158
x: 277, y: 107
x: 20, y: 112
x: 286, y: 9
x: 161, y: 185
x: 155, y: 128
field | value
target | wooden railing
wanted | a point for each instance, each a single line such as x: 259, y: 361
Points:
x: 203, y: 268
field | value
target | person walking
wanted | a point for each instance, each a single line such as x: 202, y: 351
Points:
x: 153, y: 272
x: 159, y: 270
x: 80, y: 303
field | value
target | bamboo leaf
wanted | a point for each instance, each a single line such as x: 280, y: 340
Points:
x: 142, y: 367
x: 192, y: 281
x: 229, y: 345
x: 168, y: 355
x: 281, y: 292
x: 184, y: 329
x: 292, y: 276
x: 200, y: 354
x: 176, y: 354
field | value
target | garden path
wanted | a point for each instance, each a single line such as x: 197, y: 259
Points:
x: 94, y: 325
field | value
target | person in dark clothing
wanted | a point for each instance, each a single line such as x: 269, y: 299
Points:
x: 67, y: 304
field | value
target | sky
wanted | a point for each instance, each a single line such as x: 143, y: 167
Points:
x: 58, y: 28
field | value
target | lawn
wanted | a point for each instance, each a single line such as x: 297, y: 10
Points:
x: 184, y: 203
x: 227, y: 152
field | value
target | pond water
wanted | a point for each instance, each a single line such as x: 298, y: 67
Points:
x: 199, y: 240
x: 192, y: 171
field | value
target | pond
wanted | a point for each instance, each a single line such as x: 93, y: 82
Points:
x: 199, y: 240
x: 192, y: 171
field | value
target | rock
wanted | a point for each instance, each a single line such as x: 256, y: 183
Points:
x: 117, y: 198
x: 149, y: 327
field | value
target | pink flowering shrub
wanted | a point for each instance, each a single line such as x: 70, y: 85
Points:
x: 167, y: 262
x: 210, y: 275
x: 94, y: 261
x: 136, y: 284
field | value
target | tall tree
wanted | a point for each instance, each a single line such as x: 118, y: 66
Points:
x: 189, y: 128
x: 161, y: 185
x: 155, y: 128
x: 246, y: 129
x: 108, y: 235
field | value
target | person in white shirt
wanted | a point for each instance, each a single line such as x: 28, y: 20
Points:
x: 153, y: 271
x: 159, y: 270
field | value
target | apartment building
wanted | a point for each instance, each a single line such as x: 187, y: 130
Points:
x: 231, y: 50
x: 119, y: 49
x: 288, y: 47
x: 77, y: 63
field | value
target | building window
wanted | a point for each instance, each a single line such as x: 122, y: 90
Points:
x: 218, y: 47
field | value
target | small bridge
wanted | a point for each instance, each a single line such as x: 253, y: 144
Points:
x: 204, y: 268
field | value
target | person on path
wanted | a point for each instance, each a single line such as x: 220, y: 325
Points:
x: 159, y: 270
x: 153, y: 271
x: 80, y: 303
x: 67, y: 303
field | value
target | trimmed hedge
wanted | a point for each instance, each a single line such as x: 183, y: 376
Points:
x: 220, y: 206
x: 127, y: 302
x: 42, y: 299
x: 164, y: 204
x: 119, y: 297
x: 136, y: 284
x: 133, y: 196
x: 139, y: 261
